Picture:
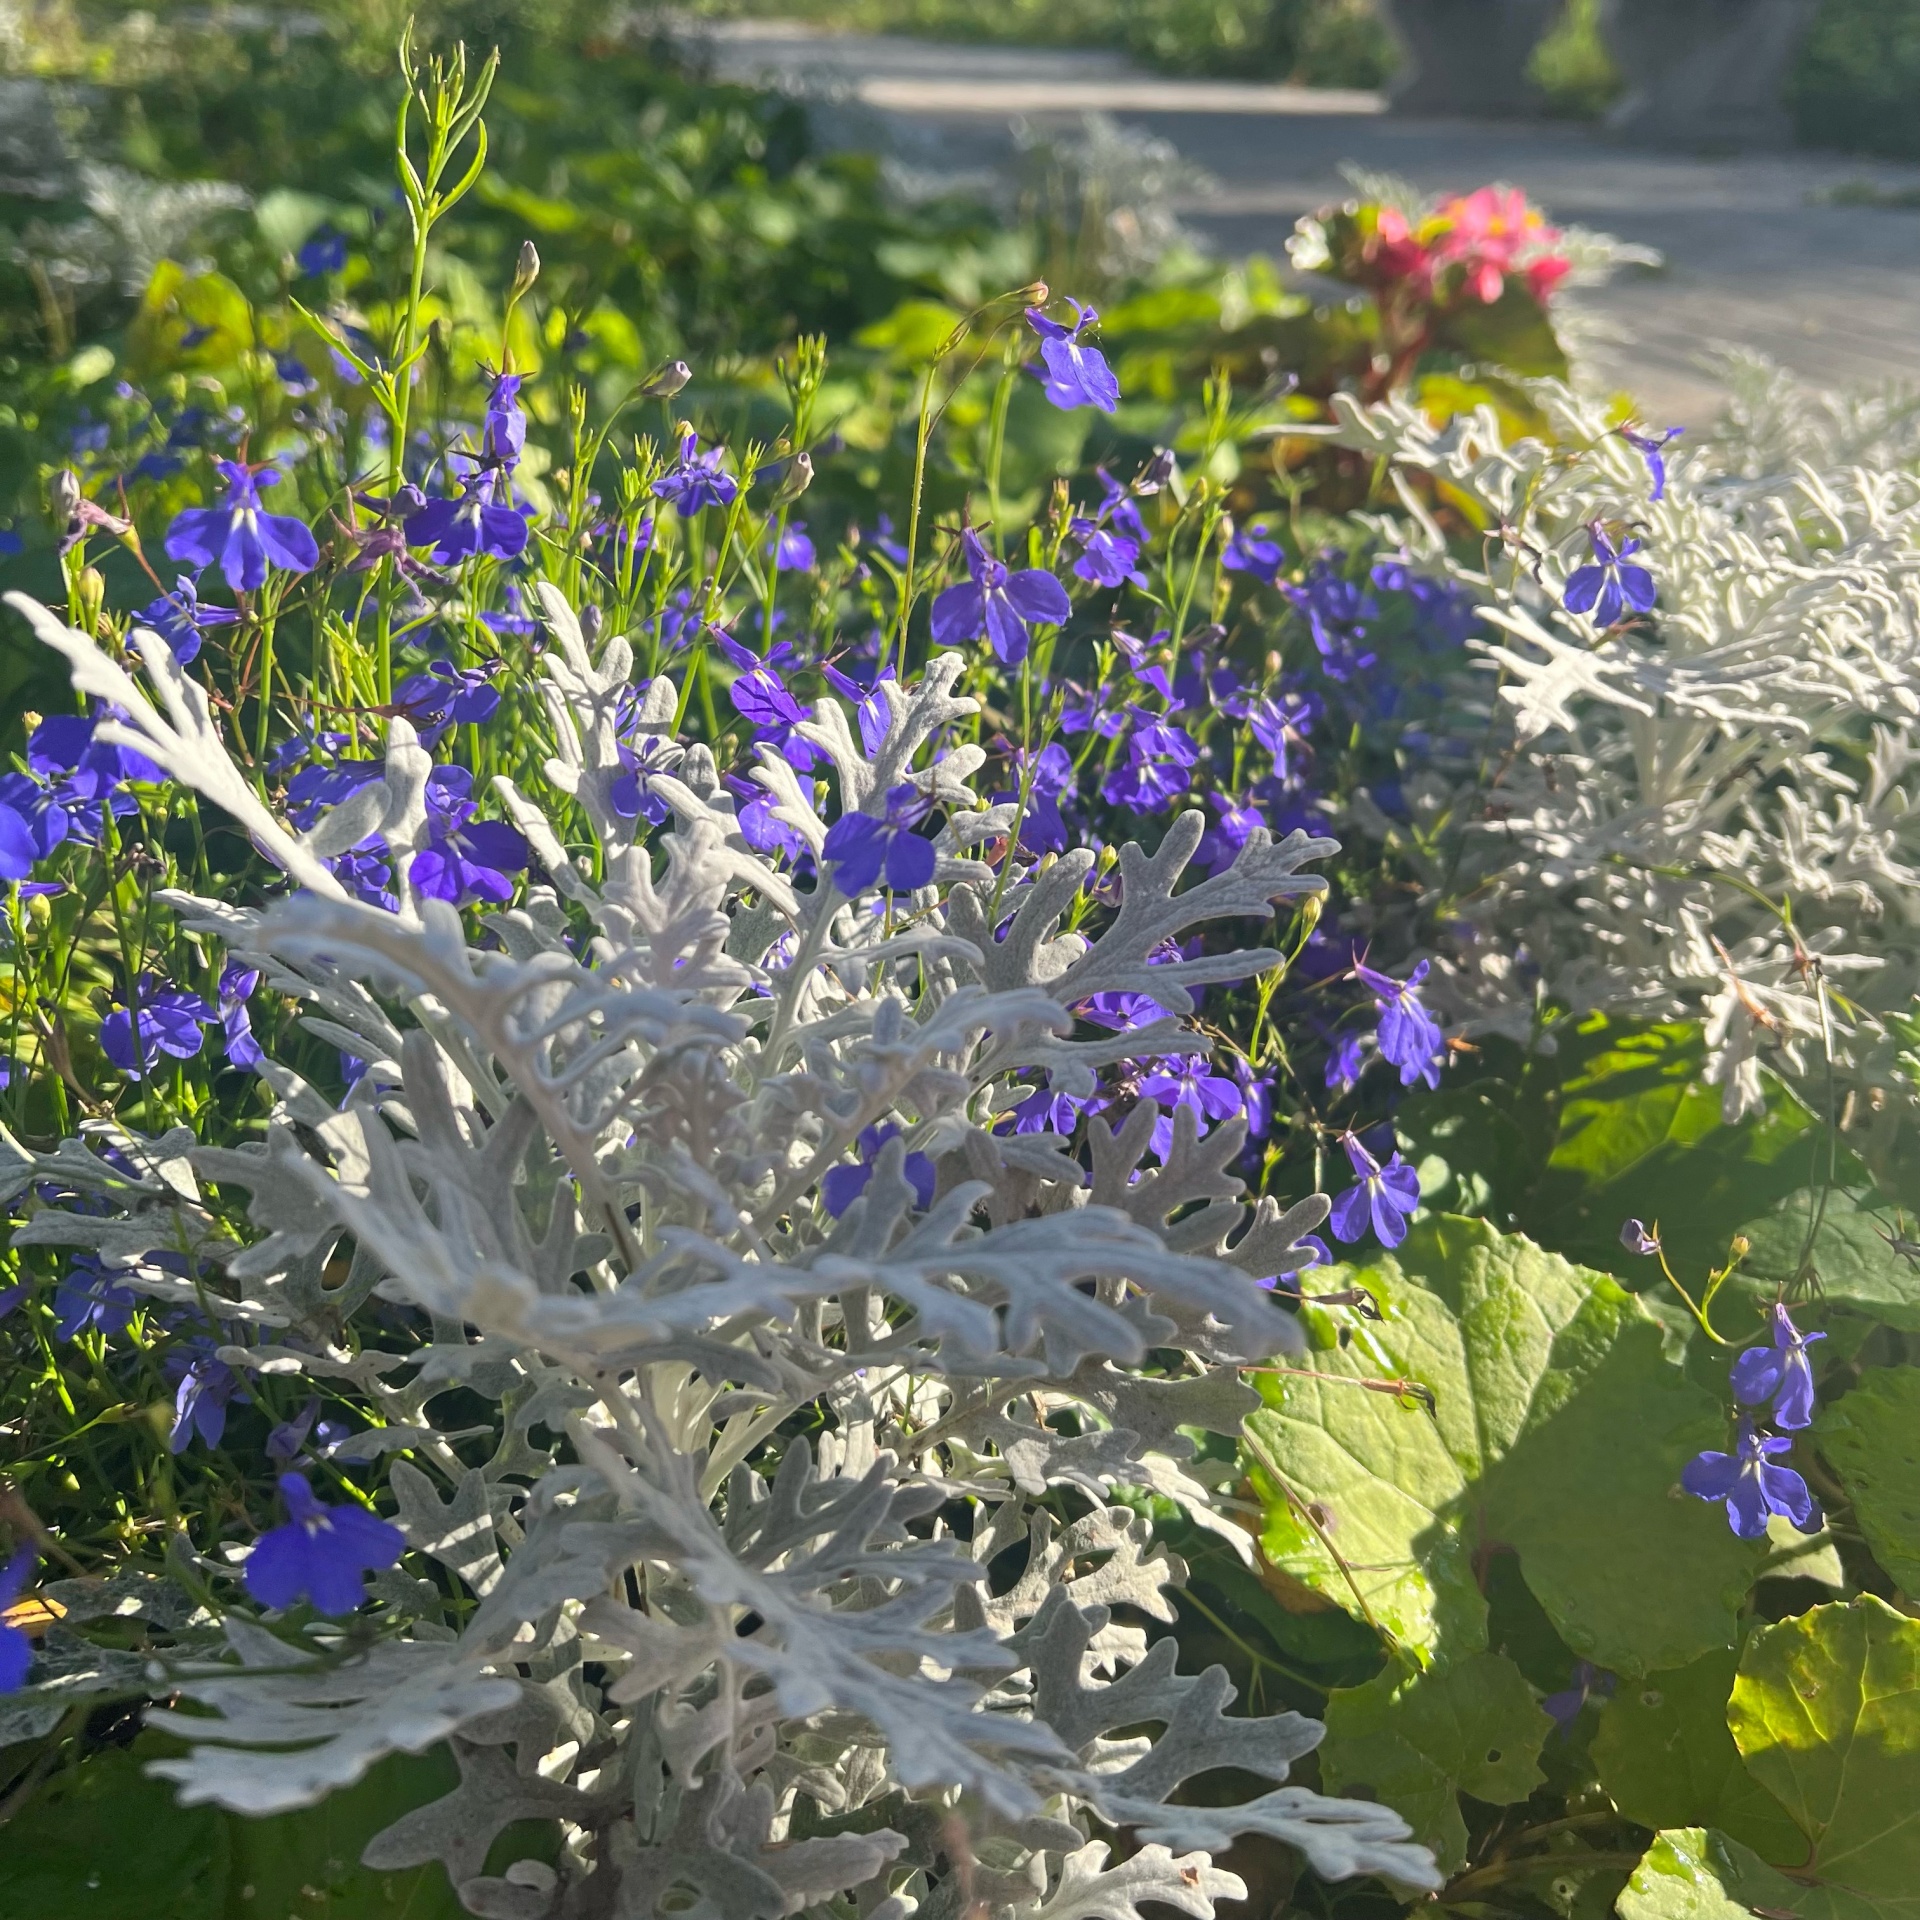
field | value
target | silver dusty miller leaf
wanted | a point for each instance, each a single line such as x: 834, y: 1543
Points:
x: 742, y: 1671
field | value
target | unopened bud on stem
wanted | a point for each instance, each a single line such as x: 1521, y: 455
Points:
x: 666, y: 380
x: 796, y: 480
x: 527, y: 270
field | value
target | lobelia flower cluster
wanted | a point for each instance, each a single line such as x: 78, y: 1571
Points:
x: 779, y: 1097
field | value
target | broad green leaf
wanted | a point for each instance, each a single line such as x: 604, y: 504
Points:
x: 1826, y: 1713
x: 1666, y: 1759
x: 1557, y: 1429
x: 1692, y: 1873
x: 102, y: 1841
x: 1418, y: 1740
x: 1871, y: 1437
x: 1851, y: 1255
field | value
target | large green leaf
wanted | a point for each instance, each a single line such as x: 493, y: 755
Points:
x: 1557, y: 1429
x: 1418, y: 1740
x: 1852, y: 1257
x: 1692, y: 1873
x: 1826, y: 1713
x: 104, y: 1841
x: 1871, y: 1437
x: 1666, y: 1759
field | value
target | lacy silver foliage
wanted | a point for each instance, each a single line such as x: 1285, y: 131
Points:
x: 750, y: 1673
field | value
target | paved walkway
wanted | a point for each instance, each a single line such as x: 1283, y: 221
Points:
x: 1759, y: 251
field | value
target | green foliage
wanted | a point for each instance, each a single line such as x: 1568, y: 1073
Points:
x: 1694, y: 1874
x: 1419, y: 1739
x: 1572, y: 66
x: 1826, y: 1713
x: 1557, y: 1431
x: 1325, y: 43
x: 1871, y: 1438
x: 1666, y: 1759
x: 1850, y: 1255
x: 1856, y: 79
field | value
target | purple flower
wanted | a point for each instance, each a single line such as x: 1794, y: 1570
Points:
x: 16, y: 1650
x: 860, y: 846
x: 237, y: 984
x: 1187, y: 1080
x: 1043, y: 829
x: 483, y: 519
x: 997, y: 602
x: 1636, y: 1239
x: 17, y: 850
x: 1280, y: 723
x: 1608, y: 587
x: 1044, y: 1111
x: 1781, y: 1372
x: 322, y: 1554
x: 631, y: 792
x: 1652, y: 449
x: 760, y: 698
x: 181, y: 619
x: 1107, y: 558
x: 1751, y: 1488
x: 325, y: 252
x: 794, y: 553
x: 1118, y: 507
x: 286, y: 1442
x: 1588, y: 1681
x: 844, y: 1185
x: 1122, y: 1011
x: 696, y: 480
x: 1337, y: 612
x: 465, y: 859
x: 1385, y: 1197
x: 156, y: 1018
x: 447, y: 696
x: 88, y: 1296
x: 503, y: 434
x: 1157, y: 769
x: 200, y: 1402
x: 1220, y: 847
x: 239, y: 535
x: 1076, y: 376
x: 1251, y: 552
x: 1410, y: 1037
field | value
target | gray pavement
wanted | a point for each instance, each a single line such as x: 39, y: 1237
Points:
x: 1759, y: 251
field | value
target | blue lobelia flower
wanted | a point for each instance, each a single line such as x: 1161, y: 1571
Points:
x: 1046, y: 1111
x: 503, y: 434
x: 1410, y: 1037
x: 324, y: 252
x: 239, y: 535
x: 631, y: 792
x: 1107, y: 558
x: 998, y: 602
x: 1751, y: 1487
x: 1652, y: 449
x: 1609, y: 586
x: 18, y: 849
x: 696, y: 480
x: 1386, y: 1197
x: 1118, y: 507
x: 465, y: 859
x: 1188, y: 1080
x: 860, y: 847
x: 1280, y: 722
x: 794, y: 552
x: 237, y: 985
x: 1043, y: 828
x: 1346, y: 1063
x: 181, y: 618
x: 322, y: 1554
x: 481, y: 520
x: 155, y: 1019
x: 89, y: 1297
x: 16, y: 1650
x: 1076, y: 376
x: 1635, y: 1237
x: 844, y: 1185
x: 1781, y: 1372
x: 446, y: 696
x: 200, y: 1400
x: 1249, y: 551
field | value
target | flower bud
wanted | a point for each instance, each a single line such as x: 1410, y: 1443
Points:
x: 796, y: 480
x: 63, y: 495
x: 666, y: 380
x: 1636, y: 1238
x: 591, y: 621
x: 526, y: 270
x: 93, y: 597
x: 39, y: 909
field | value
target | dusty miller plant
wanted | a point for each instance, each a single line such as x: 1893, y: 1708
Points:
x: 729, y: 1636
x: 1707, y: 811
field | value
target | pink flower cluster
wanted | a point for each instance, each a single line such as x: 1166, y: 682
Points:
x: 1480, y: 239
